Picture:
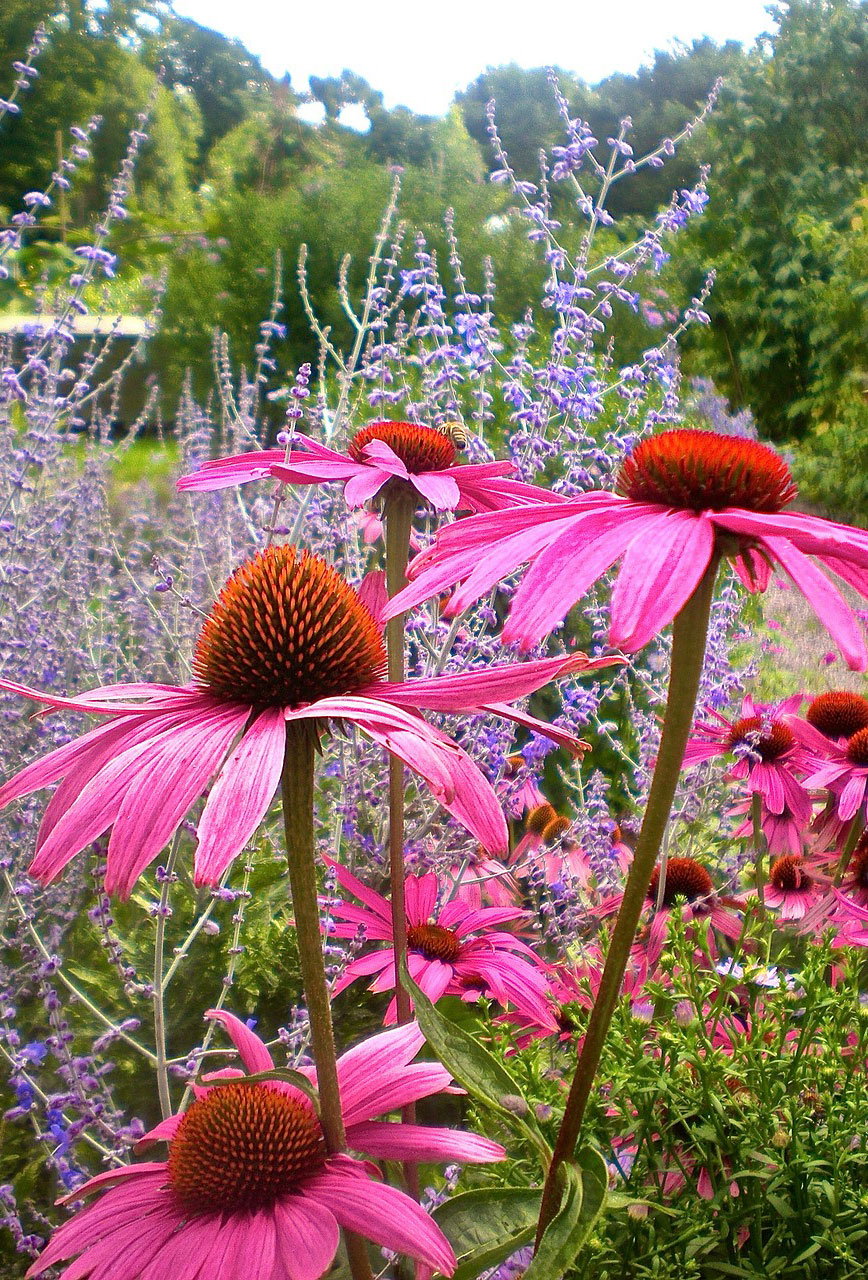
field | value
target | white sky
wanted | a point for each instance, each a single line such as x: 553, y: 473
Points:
x: 420, y: 54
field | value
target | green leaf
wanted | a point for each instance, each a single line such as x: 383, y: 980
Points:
x: 487, y: 1225
x: 584, y: 1196
x: 482, y: 1075
x: 284, y: 1074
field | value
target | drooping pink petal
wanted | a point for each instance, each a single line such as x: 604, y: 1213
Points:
x: 307, y: 1237
x: 380, y: 1213
x: 420, y: 897
x: 562, y: 737
x: 658, y: 575
x: 385, y: 1141
x: 852, y: 796
x: 373, y: 594
x: 450, y: 773
x: 365, y: 485
x: 480, y: 556
x: 826, y: 601
x: 218, y: 473
x: 241, y: 795
x: 382, y: 455
x: 162, y: 1132
x: 253, y: 1052
x: 96, y: 808
x: 471, y: 690
x: 104, y: 1217
x: 439, y: 488
x: 47, y: 769
x: 374, y: 901
x: 159, y: 796
x: 362, y: 967
x: 180, y: 1257
x: 810, y: 534
x: 563, y: 572
x: 122, y: 1254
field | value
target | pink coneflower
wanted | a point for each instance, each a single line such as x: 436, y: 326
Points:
x: 838, y: 714
x: 287, y: 640
x: 841, y: 765
x: 451, y: 950
x: 381, y: 454
x: 680, y: 498
x: 766, y: 753
x: 547, y: 843
x: 686, y: 879
x: 570, y: 993
x: 524, y: 795
x: 790, y: 890
x: 248, y: 1188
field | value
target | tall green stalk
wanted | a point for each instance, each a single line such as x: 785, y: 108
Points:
x: 298, y: 816
x: 688, y: 650
x: 399, y: 507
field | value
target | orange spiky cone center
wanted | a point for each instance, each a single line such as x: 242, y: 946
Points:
x: 839, y: 713
x: 241, y: 1147
x: 768, y: 746
x: 685, y: 878
x: 287, y: 630
x: 788, y: 874
x: 857, y: 748
x: 434, y: 941
x: 704, y: 471
x: 539, y: 818
x: 419, y: 448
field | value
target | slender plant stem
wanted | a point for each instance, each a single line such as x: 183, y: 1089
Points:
x: 159, y: 990
x: 759, y: 848
x: 398, y: 512
x: 856, y: 828
x: 688, y: 650
x: 298, y: 781
x: 399, y: 508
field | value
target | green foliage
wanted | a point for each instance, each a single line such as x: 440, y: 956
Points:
x: 487, y: 1225
x: 789, y: 156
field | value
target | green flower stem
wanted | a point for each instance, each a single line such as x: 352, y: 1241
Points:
x: 399, y: 507
x: 759, y: 848
x: 857, y: 826
x: 688, y: 650
x: 297, y: 782
x: 398, y: 511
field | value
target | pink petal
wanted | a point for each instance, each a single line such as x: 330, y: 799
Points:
x: 658, y: 575
x: 307, y: 1237
x: 372, y: 593
x: 218, y: 473
x: 365, y: 485
x: 450, y: 773
x: 253, y: 1052
x: 420, y: 897
x: 121, y: 1255
x: 826, y: 601
x: 471, y: 690
x: 241, y: 795
x: 481, y: 551
x: 162, y: 1132
x: 380, y: 1213
x: 382, y: 455
x: 562, y: 737
x: 386, y: 1141
x: 98, y: 742
x: 565, y: 571
x: 439, y: 488
x: 181, y: 1257
x: 375, y: 901
x: 105, y: 1217
x: 162, y: 792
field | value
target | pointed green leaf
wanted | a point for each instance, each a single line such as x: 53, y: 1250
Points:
x: 484, y: 1227
x: 482, y: 1075
x: 285, y: 1074
x: 585, y: 1186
